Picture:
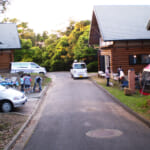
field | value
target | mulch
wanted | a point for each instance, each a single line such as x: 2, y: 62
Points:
x: 9, y: 126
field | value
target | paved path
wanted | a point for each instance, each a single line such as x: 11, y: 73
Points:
x: 79, y: 116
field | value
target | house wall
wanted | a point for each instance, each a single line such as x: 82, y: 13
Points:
x: 119, y: 55
x: 5, y: 58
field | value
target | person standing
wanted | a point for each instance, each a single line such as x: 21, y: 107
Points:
x: 122, y: 76
x: 107, y: 72
x: 118, y: 71
x: 27, y: 83
x: 22, y: 83
x: 38, y: 80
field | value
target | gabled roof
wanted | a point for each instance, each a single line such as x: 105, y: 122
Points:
x: 9, y: 38
x: 126, y: 22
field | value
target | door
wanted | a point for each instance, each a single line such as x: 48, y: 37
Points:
x: 102, y: 63
x: 107, y: 61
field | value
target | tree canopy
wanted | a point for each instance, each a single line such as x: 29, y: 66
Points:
x: 58, y: 50
x: 3, y: 5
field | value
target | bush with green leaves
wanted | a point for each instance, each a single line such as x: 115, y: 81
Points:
x: 92, y: 67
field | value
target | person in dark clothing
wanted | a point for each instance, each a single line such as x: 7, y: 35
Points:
x: 118, y: 70
x: 107, y: 76
x: 27, y: 83
x: 22, y: 83
x: 38, y: 80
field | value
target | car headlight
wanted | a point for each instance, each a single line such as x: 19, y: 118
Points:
x: 16, y: 98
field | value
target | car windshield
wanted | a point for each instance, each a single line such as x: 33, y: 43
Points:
x: 79, y: 66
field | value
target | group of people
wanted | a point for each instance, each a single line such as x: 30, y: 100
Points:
x: 25, y: 82
x: 120, y: 73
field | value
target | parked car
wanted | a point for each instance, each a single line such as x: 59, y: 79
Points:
x: 79, y: 70
x: 27, y: 67
x: 11, y: 98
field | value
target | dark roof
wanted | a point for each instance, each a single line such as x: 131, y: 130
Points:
x: 9, y: 38
x: 126, y: 22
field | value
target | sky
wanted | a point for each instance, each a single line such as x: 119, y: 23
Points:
x: 51, y: 15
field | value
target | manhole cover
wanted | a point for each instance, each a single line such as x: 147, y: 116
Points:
x: 104, y: 133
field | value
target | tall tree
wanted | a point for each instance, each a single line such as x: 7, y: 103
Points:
x: 3, y: 5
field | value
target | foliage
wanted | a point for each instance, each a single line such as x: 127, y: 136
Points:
x: 56, y: 51
x: 3, y: 5
x: 92, y: 66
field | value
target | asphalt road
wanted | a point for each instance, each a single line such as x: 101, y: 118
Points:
x: 79, y: 116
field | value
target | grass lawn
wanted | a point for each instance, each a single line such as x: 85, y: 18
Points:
x: 137, y: 102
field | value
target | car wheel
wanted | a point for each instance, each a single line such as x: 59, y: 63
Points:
x: 6, y: 106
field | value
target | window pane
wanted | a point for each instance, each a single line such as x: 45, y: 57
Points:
x: 79, y: 66
x: 145, y: 59
x: 131, y: 60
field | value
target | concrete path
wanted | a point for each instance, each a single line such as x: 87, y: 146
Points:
x: 79, y: 116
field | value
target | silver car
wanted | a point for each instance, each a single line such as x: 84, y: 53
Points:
x: 11, y: 98
x: 27, y: 67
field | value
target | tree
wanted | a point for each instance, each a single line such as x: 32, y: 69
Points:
x: 45, y: 35
x: 82, y: 51
x: 7, y: 20
x: 19, y: 55
x: 60, y: 48
x: 52, y: 39
x: 3, y: 4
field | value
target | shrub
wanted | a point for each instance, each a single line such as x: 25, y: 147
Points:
x: 93, y: 66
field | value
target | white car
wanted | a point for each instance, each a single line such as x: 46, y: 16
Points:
x: 11, y: 98
x: 27, y: 67
x: 79, y: 70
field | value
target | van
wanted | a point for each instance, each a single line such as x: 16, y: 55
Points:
x: 79, y: 70
x: 27, y: 67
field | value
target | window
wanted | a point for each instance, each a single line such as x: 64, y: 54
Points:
x: 139, y: 59
x: 33, y: 65
x: 145, y: 59
x: 79, y: 66
x: 24, y: 65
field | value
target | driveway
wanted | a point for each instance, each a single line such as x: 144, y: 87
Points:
x: 79, y: 116
x: 29, y: 107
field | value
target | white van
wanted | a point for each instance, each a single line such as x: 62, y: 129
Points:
x: 79, y: 70
x: 27, y: 67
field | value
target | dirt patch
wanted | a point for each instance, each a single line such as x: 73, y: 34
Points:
x: 9, y: 126
x: 148, y: 102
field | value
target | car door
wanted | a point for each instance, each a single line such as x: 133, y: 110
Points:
x: 35, y: 68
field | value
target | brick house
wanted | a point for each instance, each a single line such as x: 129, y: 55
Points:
x: 122, y: 35
x: 9, y: 40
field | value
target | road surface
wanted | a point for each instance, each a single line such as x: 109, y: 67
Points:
x: 79, y: 116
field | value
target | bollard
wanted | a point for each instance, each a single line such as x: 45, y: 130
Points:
x: 131, y: 80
